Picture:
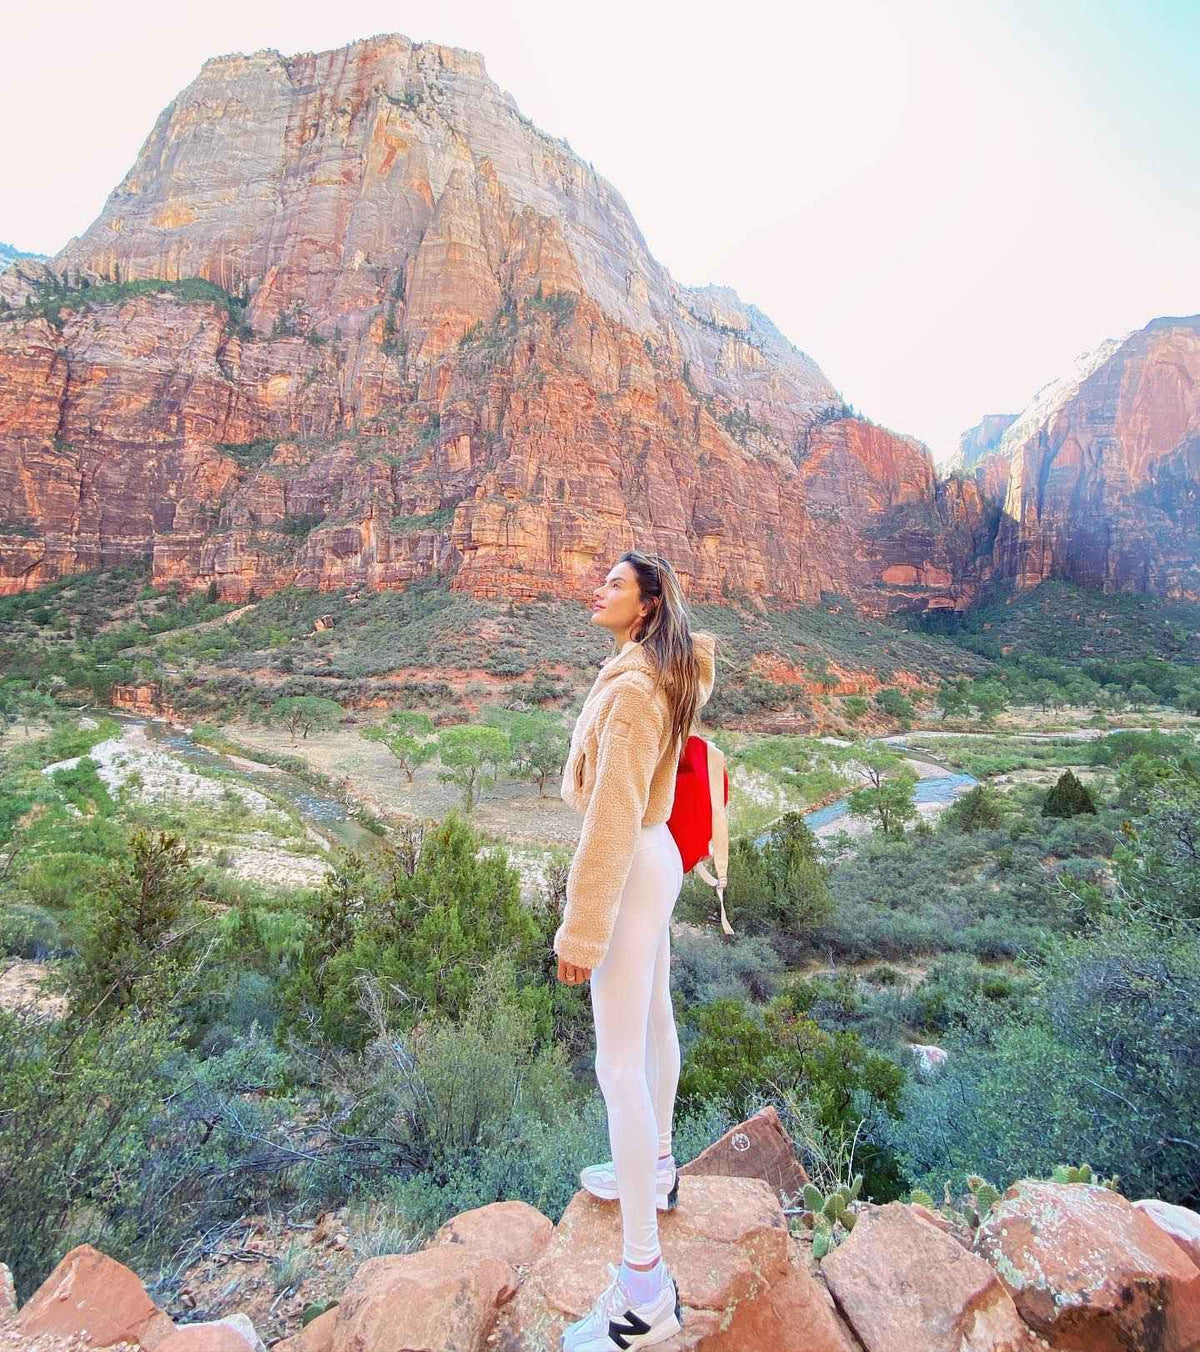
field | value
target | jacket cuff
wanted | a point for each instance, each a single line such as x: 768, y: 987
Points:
x: 581, y: 952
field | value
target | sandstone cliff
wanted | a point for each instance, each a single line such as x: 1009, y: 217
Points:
x: 429, y: 338
x: 1104, y: 481
x: 979, y: 453
x: 352, y: 319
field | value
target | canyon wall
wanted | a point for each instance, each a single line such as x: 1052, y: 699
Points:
x: 352, y: 319
x: 1104, y: 470
x: 432, y: 339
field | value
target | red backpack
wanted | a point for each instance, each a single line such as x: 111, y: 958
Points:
x: 698, y: 820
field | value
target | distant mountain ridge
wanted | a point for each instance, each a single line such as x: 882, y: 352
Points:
x: 9, y: 254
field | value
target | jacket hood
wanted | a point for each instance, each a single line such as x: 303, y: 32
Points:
x: 632, y: 657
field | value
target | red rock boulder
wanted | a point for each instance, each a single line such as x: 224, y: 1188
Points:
x: 440, y: 1299
x: 217, y: 1336
x: 743, y: 1283
x: 315, y: 1336
x: 513, y: 1231
x: 1090, y: 1271
x: 759, y: 1147
x: 905, y: 1285
x: 98, y: 1299
x: 1181, y: 1224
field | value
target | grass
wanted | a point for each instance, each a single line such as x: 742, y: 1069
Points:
x: 986, y: 756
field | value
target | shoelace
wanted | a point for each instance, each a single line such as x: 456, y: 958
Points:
x: 614, y: 1299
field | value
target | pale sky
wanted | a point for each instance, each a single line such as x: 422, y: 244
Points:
x: 942, y: 202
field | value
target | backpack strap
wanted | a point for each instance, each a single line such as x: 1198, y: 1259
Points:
x: 718, y: 846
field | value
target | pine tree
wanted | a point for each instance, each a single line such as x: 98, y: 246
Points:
x: 1068, y: 798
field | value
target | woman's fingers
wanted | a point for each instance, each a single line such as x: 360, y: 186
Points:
x: 572, y: 975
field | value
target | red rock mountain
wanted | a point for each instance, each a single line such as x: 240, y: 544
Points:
x: 351, y: 318
x: 1103, y: 483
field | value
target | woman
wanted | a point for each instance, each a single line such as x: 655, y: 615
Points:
x: 622, y: 886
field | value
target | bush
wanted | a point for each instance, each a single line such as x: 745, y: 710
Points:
x: 138, y: 928
x: 778, y: 888
x: 30, y: 932
x: 1067, y: 797
x: 741, y: 1055
x: 76, y: 1111
x: 708, y: 966
x: 1103, y: 1065
x: 978, y: 809
x: 423, y: 934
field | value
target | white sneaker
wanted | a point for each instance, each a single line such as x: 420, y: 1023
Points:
x: 601, y: 1181
x: 616, y: 1322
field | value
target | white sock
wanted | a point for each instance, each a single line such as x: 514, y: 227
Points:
x: 642, y: 1286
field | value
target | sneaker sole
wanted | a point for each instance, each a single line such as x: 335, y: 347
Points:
x: 668, y: 1203
x: 669, y: 1328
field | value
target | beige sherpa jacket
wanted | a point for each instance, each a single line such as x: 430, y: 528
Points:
x: 620, y: 776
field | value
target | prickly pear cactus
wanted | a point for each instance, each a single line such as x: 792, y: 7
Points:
x: 830, y: 1217
x: 1082, y: 1173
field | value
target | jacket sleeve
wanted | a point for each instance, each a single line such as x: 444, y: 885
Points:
x: 628, y: 752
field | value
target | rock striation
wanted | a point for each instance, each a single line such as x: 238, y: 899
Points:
x: 351, y: 319
x: 1103, y: 484
x: 406, y: 332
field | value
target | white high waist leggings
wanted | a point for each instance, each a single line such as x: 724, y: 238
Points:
x: 637, y: 1047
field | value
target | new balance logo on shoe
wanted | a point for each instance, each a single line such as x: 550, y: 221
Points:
x: 635, y: 1325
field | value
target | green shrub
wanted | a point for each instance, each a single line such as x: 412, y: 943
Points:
x: 139, y: 929
x: 1103, y: 1063
x: 28, y: 931
x: 779, y: 888
x: 77, y: 1107
x: 1067, y: 797
x: 977, y: 809
x: 742, y: 1055
x: 423, y: 934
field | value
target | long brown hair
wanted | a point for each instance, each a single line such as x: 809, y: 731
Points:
x: 666, y: 635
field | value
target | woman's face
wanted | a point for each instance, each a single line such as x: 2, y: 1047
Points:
x: 615, y: 602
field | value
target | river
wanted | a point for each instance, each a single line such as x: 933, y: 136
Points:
x: 326, y: 816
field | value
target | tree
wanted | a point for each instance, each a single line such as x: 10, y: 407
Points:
x: 1067, y: 798
x: 1159, y: 867
x: 133, y: 948
x: 471, y: 756
x: 306, y: 713
x: 537, y: 741
x: 1045, y: 694
x: 404, y: 733
x: 422, y: 936
x: 888, y: 801
x: 795, y: 880
x: 895, y: 704
x: 978, y: 809
x: 21, y: 702
x: 777, y: 885
x: 952, y: 699
x: 989, y: 697
x: 213, y: 594
x: 1141, y: 695
x: 1187, y: 695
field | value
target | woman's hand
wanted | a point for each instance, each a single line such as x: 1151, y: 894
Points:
x: 571, y: 975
